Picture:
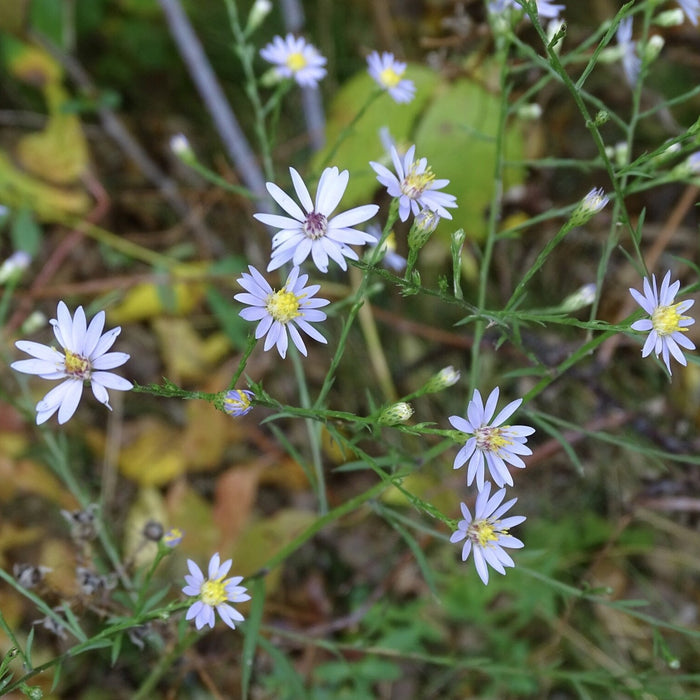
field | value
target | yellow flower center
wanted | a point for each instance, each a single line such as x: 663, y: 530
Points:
x: 295, y: 62
x: 483, y: 532
x: 213, y: 592
x: 283, y: 306
x: 77, y: 365
x: 492, y: 439
x: 390, y: 78
x: 415, y: 183
x: 666, y: 319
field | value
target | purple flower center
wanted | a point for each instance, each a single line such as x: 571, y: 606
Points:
x: 315, y: 226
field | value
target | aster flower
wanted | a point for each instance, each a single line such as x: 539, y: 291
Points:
x: 491, y: 443
x: 387, y: 72
x: 311, y: 230
x: 545, y: 8
x: 415, y: 185
x: 631, y: 63
x: 487, y: 534
x: 295, y: 58
x: 214, y: 593
x: 286, y: 310
x: 84, y: 359
x: 666, y: 324
x: 237, y: 402
x: 691, y: 8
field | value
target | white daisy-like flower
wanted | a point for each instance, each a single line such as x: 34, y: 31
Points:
x: 287, y: 310
x: 667, y: 325
x: 294, y: 58
x: 691, y: 9
x: 631, y: 62
x: 311, y: 229
x: 491, y: 444
x: 387, y: 72
x: 415, y: 185
x: 214, y: 593
x: 84, y: 359
x: 487, y: 533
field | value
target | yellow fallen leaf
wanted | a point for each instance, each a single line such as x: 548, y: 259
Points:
x: 206, y: 436
x: 59, y: 153
x: 177, y: 297
x: 154, y: 456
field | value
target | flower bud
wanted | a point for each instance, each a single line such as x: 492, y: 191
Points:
x: 180, y: 146
x: 173, y: 537
x: 579, y: 299
x: 257, y: 14
x: 530, y: 111
x: 237, y: 402
x: 653, y: 47
x: 422, y: 228
x: 446, y: 377
x: 397, y: 413
x: 591, y: 204
x: 670, y: 18
x: 14, y: 266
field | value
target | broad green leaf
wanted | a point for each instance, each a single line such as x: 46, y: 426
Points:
x: 457, y: 135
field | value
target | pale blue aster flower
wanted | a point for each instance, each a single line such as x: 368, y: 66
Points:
x: 491, y: 444
x: 666, y: 324
x: 487, y: 533
x: 214, y: 593
x: 387, y: 72
x: 312, y: 230
x: 631, y: 62
x: 287, y: 310
x: 295, y: 58
x: 415, y: 185
x: 84, y: 359
x: 691, y: 9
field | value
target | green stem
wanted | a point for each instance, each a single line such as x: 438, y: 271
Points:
x: 357, y: 301
x: 494, y: 216
x: 313, y: 431
x: 246, y: 53
x: 252, y: 342
x: 347, y: 130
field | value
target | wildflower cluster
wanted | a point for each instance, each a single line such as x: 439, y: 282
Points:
x: 312, y: 235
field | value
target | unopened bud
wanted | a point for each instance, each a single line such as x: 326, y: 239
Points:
x: 237, y: 402
x: 653, y: 47
x: 14, y: 266
x: 257, y: 14
x: 591, y: 204
x: 397, y: 413
x: 173, y: 537
x: 670, y: 18
x: 689, y: 167
x: 446, y: 377
x: 581, y: 298
x: 556, y: 31
x: 180, y: 146
x: 422, y: 228
x: 530, y: 111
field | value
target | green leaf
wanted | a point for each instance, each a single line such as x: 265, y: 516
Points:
x: 457, y: 135
x: 25, y: 232
x: 252, y: 631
